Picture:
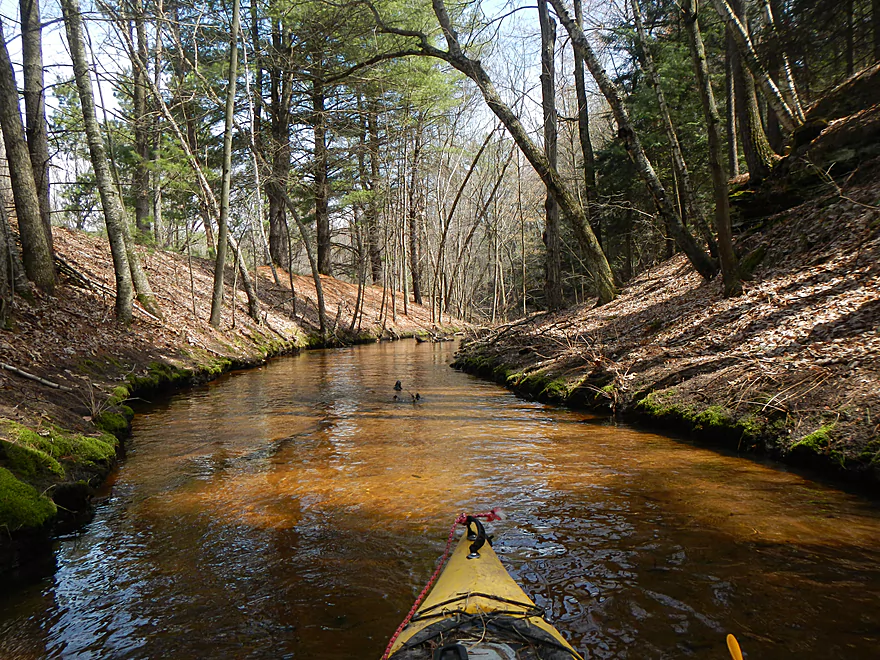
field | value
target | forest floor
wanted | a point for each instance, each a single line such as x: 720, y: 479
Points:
x: 59, y: 437
x: 791, y: 368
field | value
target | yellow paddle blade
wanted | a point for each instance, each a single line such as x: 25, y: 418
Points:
x: 733, y: 647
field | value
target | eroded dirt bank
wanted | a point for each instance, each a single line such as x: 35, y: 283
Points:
x: 59, y: 437
x: 790, y: 368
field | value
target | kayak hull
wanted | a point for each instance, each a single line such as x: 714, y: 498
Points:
x: 477, y: 604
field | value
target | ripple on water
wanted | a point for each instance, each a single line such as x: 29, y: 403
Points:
x: 297, y: 511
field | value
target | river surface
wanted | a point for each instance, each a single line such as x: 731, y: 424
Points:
x: 295, y: 511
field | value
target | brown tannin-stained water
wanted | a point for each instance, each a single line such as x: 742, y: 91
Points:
x: 295, y: 511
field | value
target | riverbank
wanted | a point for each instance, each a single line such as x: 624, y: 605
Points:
x: 790, y: 369
x: 68, y: 370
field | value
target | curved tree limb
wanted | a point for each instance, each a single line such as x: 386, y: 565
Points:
x: 701, y: 261
x: 747, y: 50
x: 603, y: 279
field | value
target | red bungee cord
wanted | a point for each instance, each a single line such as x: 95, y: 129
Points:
x: 488, y: 516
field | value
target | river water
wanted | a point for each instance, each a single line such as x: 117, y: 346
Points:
x: 295, y: 511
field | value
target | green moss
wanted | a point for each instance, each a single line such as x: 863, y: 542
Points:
x: 556, y: 389
x: 754, y: 426
x: 33, y: 454
x: 118, y: 395
x: 713, y: 417
x: 112, y: 422
x: 29, y: 462
x: 21, y: 505
x: 715, y: 421
x: 159, y: 374
x: 89, y: 366
x: 542, y: 385
x: 655, y: 404
x: 87, y: 449
x: 818, y: 441
x: 219, y: 366
x: 533, y: 383
x: 500, y: 373
x: 513, y: 378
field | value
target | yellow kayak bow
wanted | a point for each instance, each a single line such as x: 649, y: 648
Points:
x: 476, y: 610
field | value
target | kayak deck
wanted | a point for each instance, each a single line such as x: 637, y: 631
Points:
x: 477, y: 605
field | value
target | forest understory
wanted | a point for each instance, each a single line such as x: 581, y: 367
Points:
x: 788, y: 369
x: 59, y: 435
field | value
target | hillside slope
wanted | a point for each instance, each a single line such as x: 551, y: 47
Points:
x: 791, y: 367
x: 58, y: 435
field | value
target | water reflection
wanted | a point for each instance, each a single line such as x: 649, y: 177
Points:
x: 296, y: 511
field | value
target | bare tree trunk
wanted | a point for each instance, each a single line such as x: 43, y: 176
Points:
x: 603, y: 279
x: 209, y: 200
x: 6, y: 275
x: 254, y: 117
x: 758, y: 153
x: 279, y: 112
x: 701, y: 261
x: 751, y: 61
x: 372, y: 210
x: 142, y: 219
x: 875, y: 23
x: 730, y: 106
x: 313, y: 262
x: 257, y: 110
x: 12, y: 277
x: 591, y: 185
x: 223, y: 222
x: 155, y: 124
x: 182, y: 69
x: 35, y: 106
x: 414, y: 215
x: 850, y: 38
x: 113, y: 212
x: 322, y: 186
x: 552, y: 242
x: 729, y: 267
x: 690, y: 207
x: 788, y: 88
x: 36, y: 253
x: 17, y: 276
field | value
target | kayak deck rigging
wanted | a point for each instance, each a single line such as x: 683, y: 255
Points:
x: 475, y: 610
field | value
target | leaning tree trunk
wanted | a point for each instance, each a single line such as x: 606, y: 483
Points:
x: 701, y: 261
x: 788, y: 88
x: 683, y: 176
x: 6, y: 283
x: 223, y: 221
x: 35, y: 106
x: 736, y: 28
x: 113, y: 212
x: 603, y: 279
x: 590, y: 183
x: 729, y: 268
x: 730, y: 106
x: 36, y: 252
x: 552, y: 241
x: 16, y: 273
x: 208, y: 197
x: 875, y: 23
